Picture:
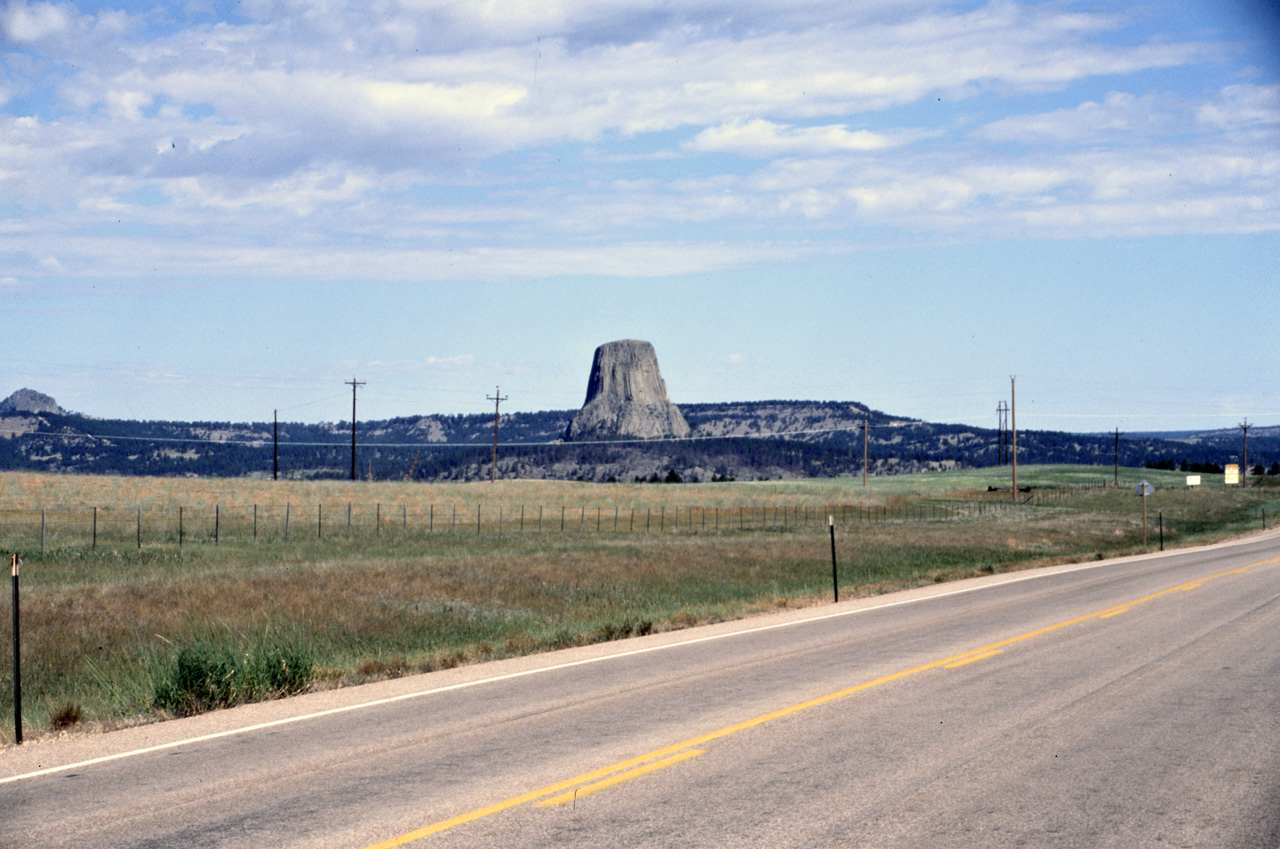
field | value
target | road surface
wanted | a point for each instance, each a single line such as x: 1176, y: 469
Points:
x: 1126, y: 703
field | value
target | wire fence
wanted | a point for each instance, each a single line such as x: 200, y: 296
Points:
x: 116, y: 527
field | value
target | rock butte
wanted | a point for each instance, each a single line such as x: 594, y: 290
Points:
x: 626, y: 397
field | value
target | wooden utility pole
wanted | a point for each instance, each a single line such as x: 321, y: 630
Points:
x: 497, y: 398
x: 353, y: 383
x: 1116, y: 480
x: 275, y: 446
x: 1013, y: 430
x: 1244, y: 468
x: 865, y: 428
x: 1002, y: 421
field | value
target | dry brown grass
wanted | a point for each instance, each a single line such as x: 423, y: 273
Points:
x: 97, y: 622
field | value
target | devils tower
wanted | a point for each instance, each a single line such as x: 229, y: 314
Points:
x: 626, y: 397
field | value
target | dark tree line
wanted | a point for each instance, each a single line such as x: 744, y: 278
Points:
x: 460, y: 447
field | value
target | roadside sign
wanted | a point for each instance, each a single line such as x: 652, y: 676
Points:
x: 1144, y: 489
x: 1232, y: 475
x: 1193, y: 480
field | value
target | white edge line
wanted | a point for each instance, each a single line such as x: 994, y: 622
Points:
x: 276, y: 723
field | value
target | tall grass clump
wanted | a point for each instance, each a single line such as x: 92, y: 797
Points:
x: 214, y: 673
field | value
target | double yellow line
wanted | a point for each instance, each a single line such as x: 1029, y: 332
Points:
x: 571, y: 789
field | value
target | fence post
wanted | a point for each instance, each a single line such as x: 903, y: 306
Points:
x: 95, y: 527
x: 217, y: 522
x: 320, y: 521
x: 16, y: 565
x: 835, y: 581
x: 179, y: 526
x: 287, y: 507
x: 255, y: 521
x: 42, y: 530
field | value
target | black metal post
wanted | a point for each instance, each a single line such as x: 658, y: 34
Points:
x: 835, y: 582
x: 1161, y: 515
x: 17, y: 656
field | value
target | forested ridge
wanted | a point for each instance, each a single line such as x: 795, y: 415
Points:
x: 742, y: 441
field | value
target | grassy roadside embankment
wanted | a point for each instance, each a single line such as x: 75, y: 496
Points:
x: 121, y: 633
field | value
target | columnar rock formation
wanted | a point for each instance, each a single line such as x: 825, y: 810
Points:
x: 626, y: 397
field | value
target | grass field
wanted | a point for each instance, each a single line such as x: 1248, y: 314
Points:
x: 116, y: 632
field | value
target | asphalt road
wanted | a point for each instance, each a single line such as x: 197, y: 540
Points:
x: 1127, y: 703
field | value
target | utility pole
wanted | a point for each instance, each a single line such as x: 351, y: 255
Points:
x: 353, y: 383
x: 497, y: 398
x: 865, y: 427
x: 275, y: 446
x: 1013, y: 430
x: 1002, y: 410
x: 1244, y: 469
x: 1116, y: 480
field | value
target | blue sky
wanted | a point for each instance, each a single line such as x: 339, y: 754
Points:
x: 214, y: 210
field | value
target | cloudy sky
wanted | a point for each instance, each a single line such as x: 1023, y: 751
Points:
x: 214, y: 210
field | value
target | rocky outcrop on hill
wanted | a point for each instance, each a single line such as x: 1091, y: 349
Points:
x: 29, y: 402
x: 626, y: 397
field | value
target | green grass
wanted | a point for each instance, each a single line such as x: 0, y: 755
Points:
x: 118, y: 634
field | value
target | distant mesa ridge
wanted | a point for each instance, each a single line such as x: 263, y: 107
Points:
x: 626, y: 397
x: 29, y: 402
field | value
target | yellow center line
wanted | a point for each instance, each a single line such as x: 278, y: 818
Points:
x: 972, y: 658
x: 667, y: 755
x: 618, y: 779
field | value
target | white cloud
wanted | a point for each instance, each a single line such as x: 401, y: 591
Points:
x: 764, y: 139
x: 1119, y: 117
x: 22, y: 23
x: 575, y: 137
x: 1243, y: 107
